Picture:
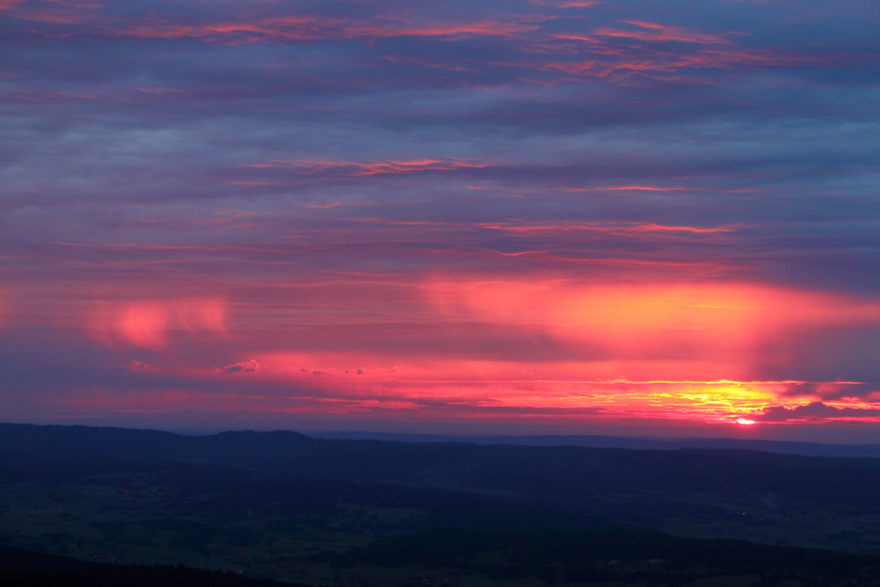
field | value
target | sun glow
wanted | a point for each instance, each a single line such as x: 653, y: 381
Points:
x: 543, y: 349
x: 675, y: 352
x: 550, y: 389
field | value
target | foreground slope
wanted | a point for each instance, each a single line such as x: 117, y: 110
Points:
x: 284, y: 506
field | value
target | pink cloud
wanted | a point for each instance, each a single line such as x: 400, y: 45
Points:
x: 564, y: 3
x: 310, y: 28
x: 149, y: 323
x: 610, y: 51
x: 656, y: 32
x: 712, y: 327
x: 139, y: 367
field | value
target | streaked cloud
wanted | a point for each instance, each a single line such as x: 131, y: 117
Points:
x: 352, y: 169
x: 509, y: 211
x: 816, y: 412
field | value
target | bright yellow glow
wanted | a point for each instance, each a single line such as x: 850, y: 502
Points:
x: 745, y: 421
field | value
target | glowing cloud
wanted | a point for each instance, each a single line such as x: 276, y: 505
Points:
x: 549, y: 208
x: 717, y: 315
x: 546, y: 389
x: 148, y: 324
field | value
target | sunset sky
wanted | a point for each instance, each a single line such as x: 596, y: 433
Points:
x: 522, y: 217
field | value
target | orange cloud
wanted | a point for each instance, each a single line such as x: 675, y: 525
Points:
x: 668, y: 349
x: 711, y: 325
x: 663, y: 351
x: 149, y: 323
x: 363, y: 380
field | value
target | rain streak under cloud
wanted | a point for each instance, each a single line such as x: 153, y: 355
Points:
x: 505, y: 216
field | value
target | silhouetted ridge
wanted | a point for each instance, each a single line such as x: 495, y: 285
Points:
x: 143, y: 445
x: 813, y: 449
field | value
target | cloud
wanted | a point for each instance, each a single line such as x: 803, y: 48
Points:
x: 648, y: 31
x: 565, y: 3
x: 242, y: 367
x: 702, y: 320
x: 620, y: 228
x: 502, y: 201
x: 139, y: 367
x: 815, y: 411
x: 353, y: 169
x: 148, y: 323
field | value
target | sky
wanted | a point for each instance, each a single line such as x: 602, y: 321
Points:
x: 521, y: 217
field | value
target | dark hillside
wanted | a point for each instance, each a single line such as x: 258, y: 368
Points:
x: 357, y: 513
x: 561, y: 475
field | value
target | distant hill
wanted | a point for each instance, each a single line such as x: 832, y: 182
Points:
x: 347, y: 512
x: 561, y: 476
x: 811, y: 449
